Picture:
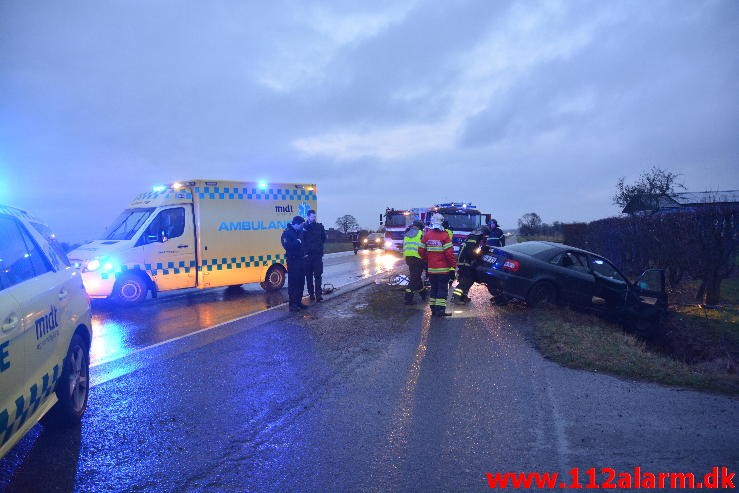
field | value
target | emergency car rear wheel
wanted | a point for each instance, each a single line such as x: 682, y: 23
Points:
x: 73, y: 386
x: 275, y: 278
x: 130, y: 289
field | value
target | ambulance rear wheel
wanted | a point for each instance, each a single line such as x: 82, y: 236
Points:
x: 130, y: 289
x: 275, y: 278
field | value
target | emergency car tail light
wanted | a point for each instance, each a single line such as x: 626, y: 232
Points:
x: 511, y: 265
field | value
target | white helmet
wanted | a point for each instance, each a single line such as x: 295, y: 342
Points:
x: 437, y: 221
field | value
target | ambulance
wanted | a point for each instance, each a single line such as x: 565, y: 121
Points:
x: 194, y: 234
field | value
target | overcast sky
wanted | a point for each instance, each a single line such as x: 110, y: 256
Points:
x: 517, y: 106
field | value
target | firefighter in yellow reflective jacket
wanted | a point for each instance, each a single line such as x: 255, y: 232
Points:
x: 411, y: 243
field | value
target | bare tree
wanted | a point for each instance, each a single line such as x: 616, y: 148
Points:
x: 529, y: 224
x: 347, y: 223
x: 654, y: 182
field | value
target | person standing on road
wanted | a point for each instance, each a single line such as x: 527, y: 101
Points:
x: 411, y: 244
x: 436, y: 248
x: 314, y: 236
x: 469, y: 254
x: 294, y: 253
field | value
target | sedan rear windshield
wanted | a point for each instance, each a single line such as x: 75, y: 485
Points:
x: 534, y: 249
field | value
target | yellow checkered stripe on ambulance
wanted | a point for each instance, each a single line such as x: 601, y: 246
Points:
x: 156, y: 269
x: 175, y: 268
x: 244, y: 193
x: 225, y: 263
x: 11, y: 420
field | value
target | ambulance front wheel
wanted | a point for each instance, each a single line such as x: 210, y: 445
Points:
x: 275, y: 278
x: 130, y: 289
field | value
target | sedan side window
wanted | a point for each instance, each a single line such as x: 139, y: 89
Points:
x: 604, y: 269
x: 20, y: 258
x: 571, y: 260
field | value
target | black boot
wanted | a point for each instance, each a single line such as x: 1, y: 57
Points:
x: 408, y: 297
x: 424, y: 294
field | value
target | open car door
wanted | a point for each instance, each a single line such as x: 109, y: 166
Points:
x: 650, y: 288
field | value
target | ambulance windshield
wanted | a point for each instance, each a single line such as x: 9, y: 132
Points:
x: 126, y: 225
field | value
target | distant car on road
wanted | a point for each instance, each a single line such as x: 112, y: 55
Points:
x: 374, y: 240
x: 45, y: 330
x: 542, y: 272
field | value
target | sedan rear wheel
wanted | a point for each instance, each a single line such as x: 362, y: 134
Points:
x: 542, y: 293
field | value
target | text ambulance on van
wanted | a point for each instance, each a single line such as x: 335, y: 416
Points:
x: 197, y: 233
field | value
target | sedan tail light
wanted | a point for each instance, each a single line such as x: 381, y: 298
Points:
x: 511, y: 265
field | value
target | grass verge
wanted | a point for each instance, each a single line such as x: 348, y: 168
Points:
x: 587, y: 342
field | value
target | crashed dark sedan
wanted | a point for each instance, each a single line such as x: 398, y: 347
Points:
x: 542, y: 272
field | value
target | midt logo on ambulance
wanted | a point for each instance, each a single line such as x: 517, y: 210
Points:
x: 251, y: 225
x: 46, y: 323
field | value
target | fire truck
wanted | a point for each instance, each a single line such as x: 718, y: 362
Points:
x: 395, y: 222
x: 463, y: 218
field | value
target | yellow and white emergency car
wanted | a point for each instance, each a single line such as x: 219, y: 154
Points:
x: 194, y: 234
x: 45, y: 330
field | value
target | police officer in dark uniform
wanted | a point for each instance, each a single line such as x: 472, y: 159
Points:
x: 294, y: 253
x: 314, y: 236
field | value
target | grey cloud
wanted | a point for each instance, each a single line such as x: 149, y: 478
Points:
x: 118, y: 96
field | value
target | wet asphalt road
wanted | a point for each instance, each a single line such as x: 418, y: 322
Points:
x: 119, y: 331
x: 324, y: 403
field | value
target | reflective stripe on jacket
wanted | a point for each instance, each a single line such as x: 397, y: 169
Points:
x: 436, y: 249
